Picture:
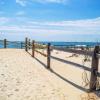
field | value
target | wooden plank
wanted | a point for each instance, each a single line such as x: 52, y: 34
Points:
x: 48, y: 55
x: 98, y: 55
x: 41, y: 53
x: 95, y: 62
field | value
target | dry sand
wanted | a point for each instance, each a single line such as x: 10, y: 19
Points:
x: 25, y: 78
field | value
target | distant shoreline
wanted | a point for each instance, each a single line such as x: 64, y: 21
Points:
x: 17, y: 44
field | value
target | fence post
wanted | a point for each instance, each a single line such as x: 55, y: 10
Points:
x: 33, y: 48
x: 95, y: 61
x: 5, y: 43
x: 29, y: 43
x: 48, y: 55
x: 26, y: 43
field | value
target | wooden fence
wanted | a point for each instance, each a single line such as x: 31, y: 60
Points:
x: 11, y: 44
x: 35, y: 45
x: 94, y: 54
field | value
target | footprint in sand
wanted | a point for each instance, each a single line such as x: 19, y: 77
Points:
x: 16, y: 90
x: 9, y: 95
x: 2, y: 74
x: 18, y: 81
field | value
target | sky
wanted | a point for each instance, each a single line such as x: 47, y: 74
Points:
x: 50, y: 20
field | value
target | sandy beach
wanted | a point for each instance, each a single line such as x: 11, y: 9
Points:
x: 25, y: 78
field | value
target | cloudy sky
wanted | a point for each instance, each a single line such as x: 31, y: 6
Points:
x: 50, y: 20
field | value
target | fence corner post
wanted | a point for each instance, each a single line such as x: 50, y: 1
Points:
x: 26, y: 43
x: 48, y: 55
x: 5, y: 43
x: 95, y: 62
x: 33, y: 48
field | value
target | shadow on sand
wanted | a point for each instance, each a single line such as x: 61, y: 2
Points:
x: 66, y: 80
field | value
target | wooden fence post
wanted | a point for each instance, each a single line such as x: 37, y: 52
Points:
x: 5, y: 43
x: 33, y: 48
x: 48, y: 55
x: 26, y: 44
x: 29, y: 43
x: 95, y: 61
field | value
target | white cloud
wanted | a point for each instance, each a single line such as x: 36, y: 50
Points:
x: 4, y: 20
x: 46, y: 29
x: 79, y: 23
x: 21, y: 2
x: 24, y: 2
x: 86, y: 24
x: 52, y: 1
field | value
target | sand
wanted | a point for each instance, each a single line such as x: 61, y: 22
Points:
x: 25, y: 78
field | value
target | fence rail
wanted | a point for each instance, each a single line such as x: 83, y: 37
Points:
x: 83, y: 52
x: 94, y: 54
x: 34, y: 46
x: 11, y: 44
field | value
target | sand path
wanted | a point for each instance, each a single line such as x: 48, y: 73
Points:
x: 24, y: 78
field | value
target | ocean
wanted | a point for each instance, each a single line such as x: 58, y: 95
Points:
x: 21, y: 44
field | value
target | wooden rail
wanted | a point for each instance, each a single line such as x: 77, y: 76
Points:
x: 7, y: 44
x: 41, y: 53
x: 83, y: 52
x: 94, y: 54
x: 34, y: 47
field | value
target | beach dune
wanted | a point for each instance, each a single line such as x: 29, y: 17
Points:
x: 25, y: 78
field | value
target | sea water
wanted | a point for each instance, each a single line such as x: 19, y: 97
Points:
x: 19, y: 44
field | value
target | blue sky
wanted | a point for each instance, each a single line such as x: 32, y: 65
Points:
x: 50, y: 20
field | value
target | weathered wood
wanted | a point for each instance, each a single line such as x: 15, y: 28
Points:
x: 48, y: 55
x: 5, y: 43
x: 41, y: 53
x: 26, y: 43
x: 98, y: 55
x: 33, y: 48
x: 29, y: 43
x: 95, y: 62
